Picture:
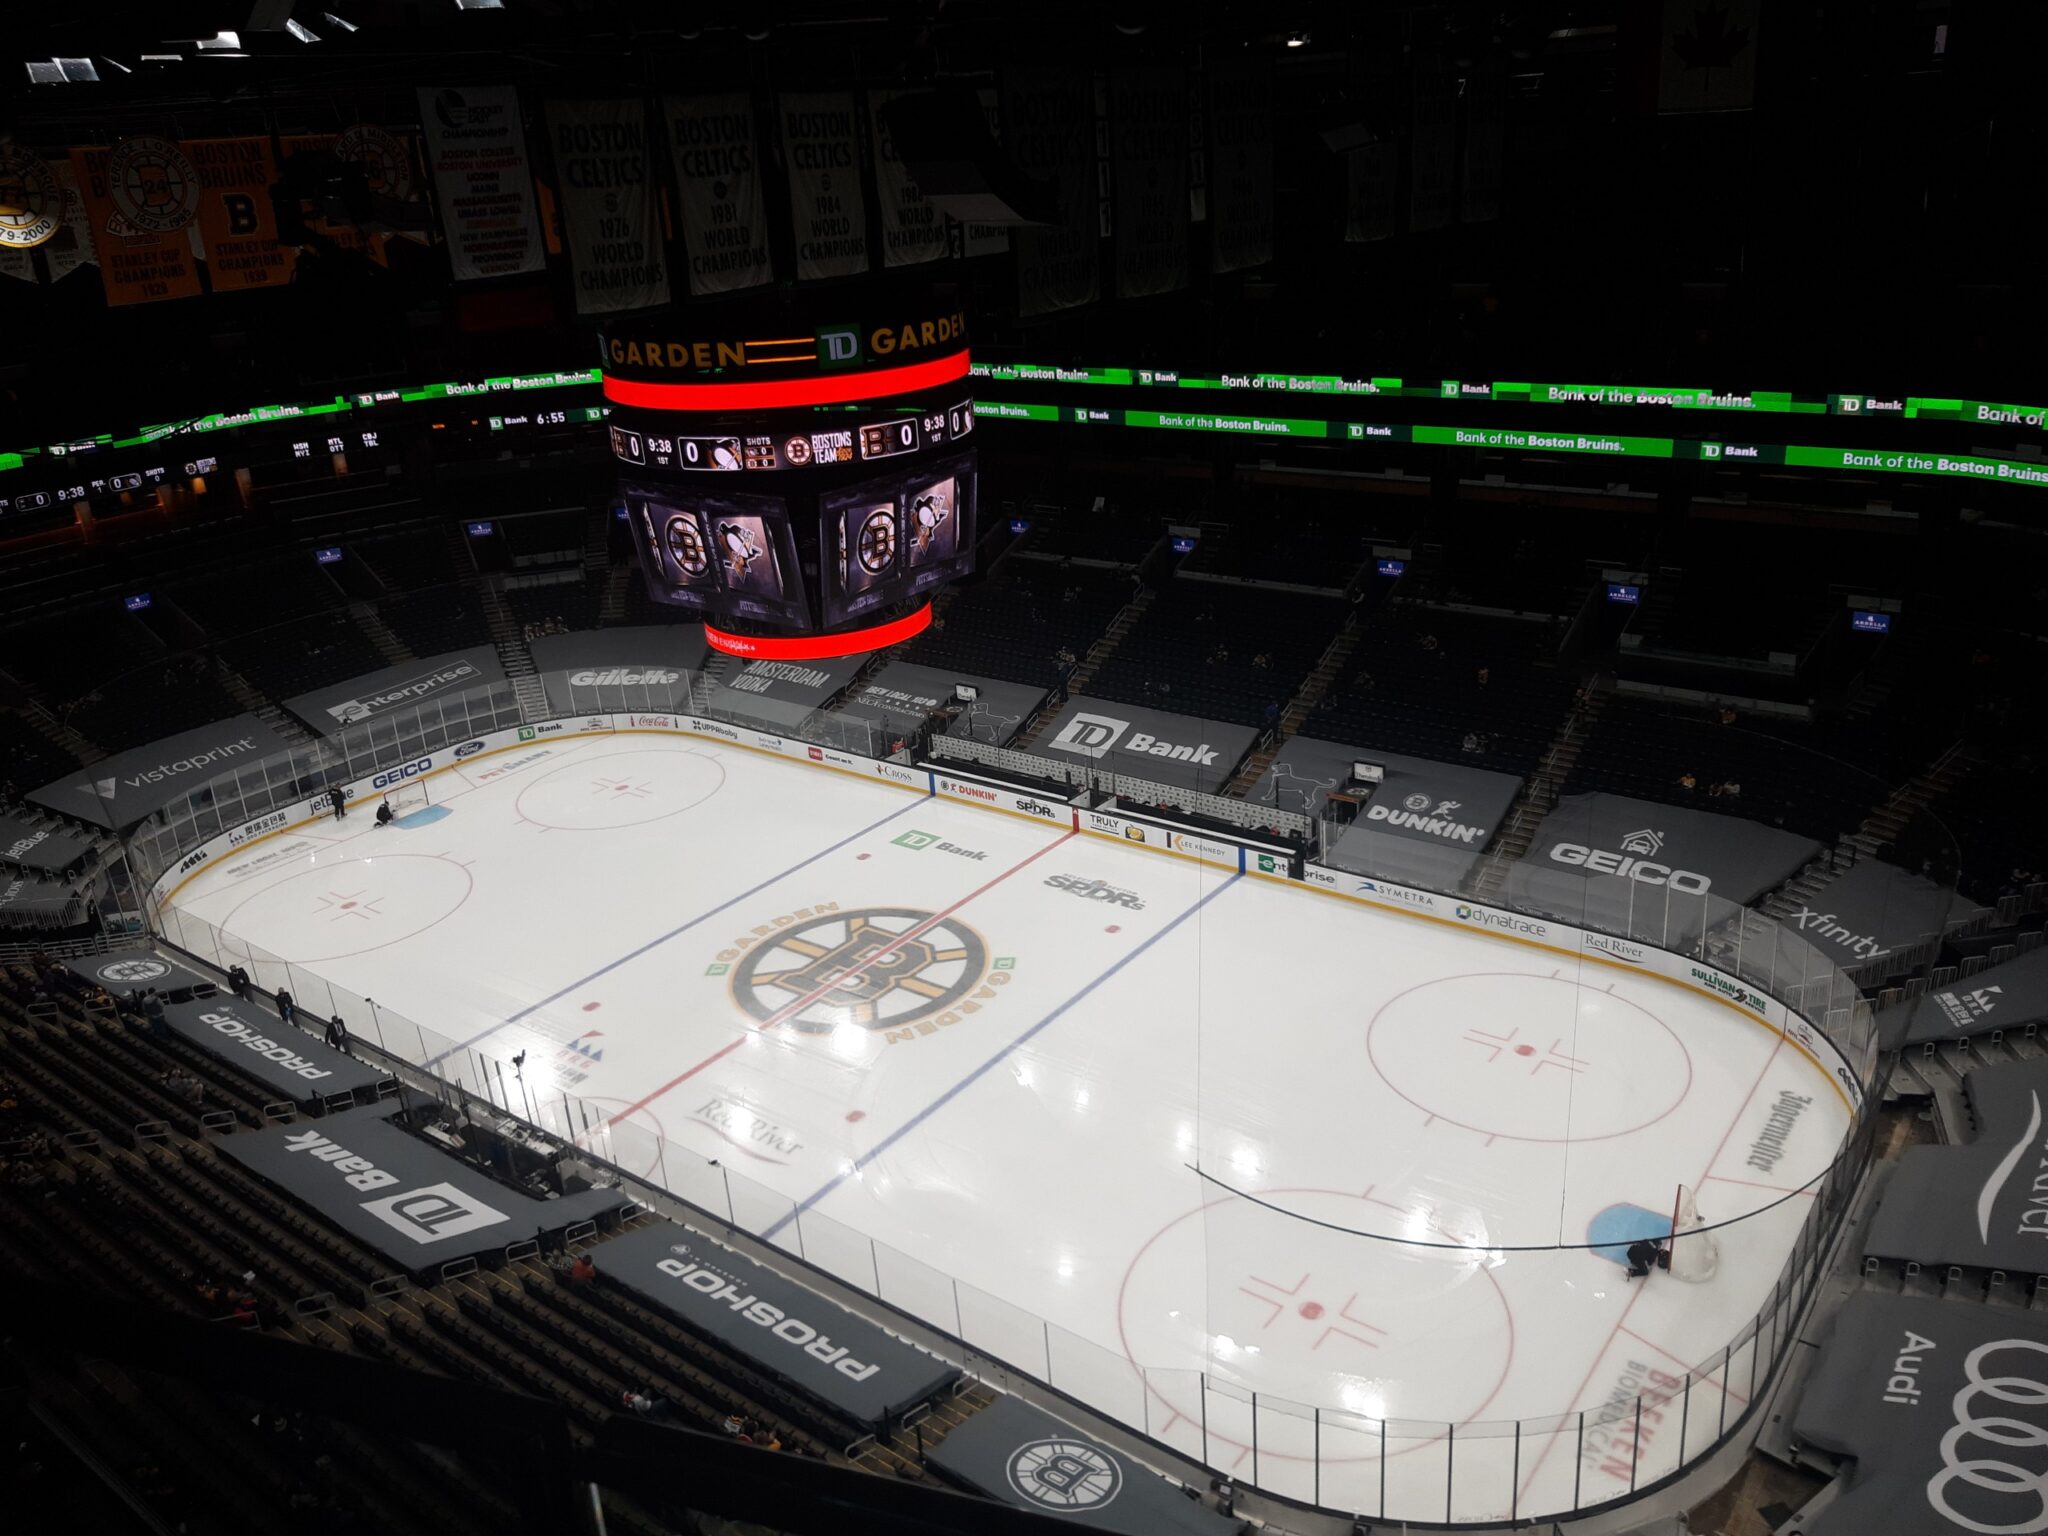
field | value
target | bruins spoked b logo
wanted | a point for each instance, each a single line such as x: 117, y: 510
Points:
x: 1065, y: 1474
x: 890, y: 969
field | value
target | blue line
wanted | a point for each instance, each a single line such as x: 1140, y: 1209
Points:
x: 633, y: 955
x: 954, y: 1092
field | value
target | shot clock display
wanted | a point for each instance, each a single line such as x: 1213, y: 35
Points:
x: 824, y: 484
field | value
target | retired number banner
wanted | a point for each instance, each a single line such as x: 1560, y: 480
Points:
x: 476, y: 149
x: 1049, y: 129
x: 236, y: 224
x: 826, y: 208
x: 609, y: 221
x: 1148, y: 111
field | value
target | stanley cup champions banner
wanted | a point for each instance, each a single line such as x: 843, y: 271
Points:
x: 982, y: 239
x: 476, y: 150
x: 717, y: 163
x: 610, y: 224
x: 912, y: 229
x: 1148, y: 111
x: 72, y: 246
x: 1049, y: 129
x: 826, y: 208
x: 236, y: 224
x: 140, y: 199
x: 1240, y: 145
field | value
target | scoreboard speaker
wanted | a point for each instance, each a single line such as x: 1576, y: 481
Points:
x: 942, y: 138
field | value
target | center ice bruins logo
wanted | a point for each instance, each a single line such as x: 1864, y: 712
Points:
x: 891, y: 969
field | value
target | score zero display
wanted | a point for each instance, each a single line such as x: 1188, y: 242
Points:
x: 736, y: 452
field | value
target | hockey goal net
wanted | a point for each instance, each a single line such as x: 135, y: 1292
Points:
x: 1695, y: 1252
x: 404, y: 799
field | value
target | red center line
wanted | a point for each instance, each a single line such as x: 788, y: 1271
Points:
x: 1543, y: 1455
x: 792, y: 1009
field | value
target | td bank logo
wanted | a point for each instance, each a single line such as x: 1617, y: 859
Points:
x: 838, y: 346
x: 1090, y: 735
x: 922, y: 840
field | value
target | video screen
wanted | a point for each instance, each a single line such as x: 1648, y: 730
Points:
x: 886, y: 540
x: 726, y: 556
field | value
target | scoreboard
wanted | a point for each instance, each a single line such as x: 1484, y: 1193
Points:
x: 803, y: 494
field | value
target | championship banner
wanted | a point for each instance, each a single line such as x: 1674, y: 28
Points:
x: 1372, y: 182
x: 31, y: 202
x: 236, y: 223
x: 1940, y: 1407
x: 18, y: 262
x: 1020, y: 1455
x: 476, y: 150
x: 72, y: 246
x: 1707, y: 60
x: 1240, y: 167
x: 1049, y: 129
x: 610, y: 223
x: 1483, y: 158
x: 717, y: 163
x: 981, y: 239
x: 827, y: 211
x: 1149, y: 152
x: 148, y: 259
x: 913, y: 230
x: 1433, y: 157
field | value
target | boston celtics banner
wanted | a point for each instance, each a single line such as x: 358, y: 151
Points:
x: 236, y: 225
x: 476, y: 150
x: 1049, y: 130
x: 828, y: 214
x: 912, y: 229
x: 1240, y: 168
x: 610, y: 226
x: 1148, y: 110
x: 717, y: 163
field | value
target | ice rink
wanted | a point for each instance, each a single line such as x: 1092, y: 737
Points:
x: 974, y: 1062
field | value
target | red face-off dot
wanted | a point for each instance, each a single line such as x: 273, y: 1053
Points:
x: 857, y: 1114
x: 1525, y: 1050
x: 592, y: 1007
x: 1311, y: 1310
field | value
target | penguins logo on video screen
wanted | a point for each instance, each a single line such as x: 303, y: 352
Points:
x: 739, y: 549
x: 928, y: 514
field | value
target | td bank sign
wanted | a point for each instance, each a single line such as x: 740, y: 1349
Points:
x: 1099, y: 735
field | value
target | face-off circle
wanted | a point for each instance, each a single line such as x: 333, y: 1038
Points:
x: 1297, y: 1305
x: 349, y: 908
x: 859, y: 968
x: 630, y: 787
x: 1064, y: 1474
x: 1546, y: 1059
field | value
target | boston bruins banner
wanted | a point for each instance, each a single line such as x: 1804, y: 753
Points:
x: 236, y: 225
x: 388, y: 162
x: 1240, y: 168
x: 1149, y: 136
x: 717, y: 162
x: 476, y: 149
x: 609, y: 221
x: 1049, y: 129
x: 149, y: 259
x: 912, y: 229
x: 826, y: 209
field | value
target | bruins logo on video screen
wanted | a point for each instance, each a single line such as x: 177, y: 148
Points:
x: 856, y: 968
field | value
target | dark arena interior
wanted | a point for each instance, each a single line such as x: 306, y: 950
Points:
x: 954, y: 767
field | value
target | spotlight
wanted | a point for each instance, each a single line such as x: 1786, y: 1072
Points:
x: 302, y: 32
x: 339, y: 21
x: 1297, y: 39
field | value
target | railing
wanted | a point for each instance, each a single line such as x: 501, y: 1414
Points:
x: 1341, y: 1456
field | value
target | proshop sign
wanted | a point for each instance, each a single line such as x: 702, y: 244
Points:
x: 790, y: 1330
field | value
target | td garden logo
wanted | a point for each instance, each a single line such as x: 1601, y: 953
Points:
x: 899, y: 972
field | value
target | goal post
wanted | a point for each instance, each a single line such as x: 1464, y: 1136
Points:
x: 1695, y: 1253
x: 406, y: 798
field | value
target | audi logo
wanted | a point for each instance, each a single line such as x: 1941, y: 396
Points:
x: 1994, y: 1476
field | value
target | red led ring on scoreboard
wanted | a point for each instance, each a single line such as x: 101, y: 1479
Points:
x: 846, y: 642
x: 783, y: 394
